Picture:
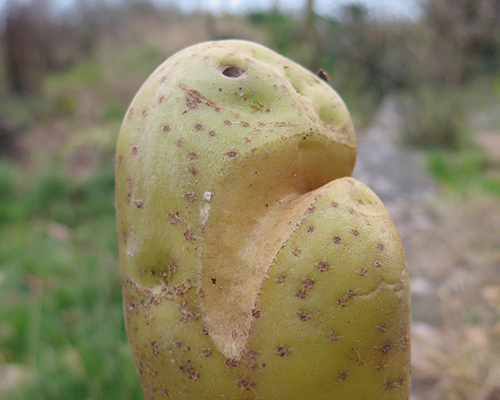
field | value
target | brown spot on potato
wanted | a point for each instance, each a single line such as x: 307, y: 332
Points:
x: 231, y: 362
x: 192, y: 374
x: 342, y: 302
x: 198, y: 126
x: 188, y: 235
x: 308, y: 283
x: 207, y: 352
x: 363, y: 271
x: 138, y: 203
x: 335, y: 204
x: 204, y: 331
x: 166, y: 128
x: 184, y: 309
x: 380, y: 246
x: 351, y: 293
x: 323, y: 266
x: 194, y: 98
x: 130, y: 182
x: 377, y: 263
x: 179, y: 143
x: 245, y: 384
x: 227, y: 122
x: 337, y: 240
x: 156, y: 353
x: 385, y: 348
x: 283, y: 351
x: 334, y: 336
x: 190, y: 197
x: 382, y: 365
x: 281, y: 279
x: 118, y: 160
x: 301, y: 294
x: 152, y: 372
x: 310, y: 229
x: 232, y: 153
x: 355, y: 232
x: 193, y: 171
x: 303, y: 315
x: 405, y: 343
x: 212, y: 133
x: 132, y: 306
x: 253, y: 354
x: 343, y: 375
x: 172, y: 268
x: 256, y: 313
x: 193, y: 155
x: 296, y: 252
x: 172, y: 218
x: 388, y: 385
x: 382, y: 328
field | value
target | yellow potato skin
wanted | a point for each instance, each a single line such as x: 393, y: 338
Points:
x: 252, y: 267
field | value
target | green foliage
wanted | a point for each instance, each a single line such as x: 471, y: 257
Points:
x: 434, y: 116
x: 496, y: 87
x: 113, y: 112
x: 22, y: 112
x: 78, y: 76
x: 140, y: 60
x: 463, y: 172
x: 281, y: 29
x: 64, y: 105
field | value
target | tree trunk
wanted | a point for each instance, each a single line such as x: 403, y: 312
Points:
x: 23, y: 58
x: 313, y: 37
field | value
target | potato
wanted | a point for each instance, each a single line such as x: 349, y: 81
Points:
x: 253, y: 267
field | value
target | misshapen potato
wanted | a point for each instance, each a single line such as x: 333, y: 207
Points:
x: 252, y: 266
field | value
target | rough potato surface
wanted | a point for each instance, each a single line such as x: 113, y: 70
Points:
x: 253, y: 267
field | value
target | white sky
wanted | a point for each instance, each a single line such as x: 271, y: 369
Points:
x: 392, y: 8
x: 383, y: 8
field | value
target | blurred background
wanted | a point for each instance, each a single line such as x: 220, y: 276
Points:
x: 422, y: 82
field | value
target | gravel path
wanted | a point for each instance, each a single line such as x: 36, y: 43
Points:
x: 453, y: 251
x: 398, y: 176
x: 392, y: 172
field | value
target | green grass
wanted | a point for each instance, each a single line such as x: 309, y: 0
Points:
x: 463, y: 172
x: 79, y: 76
x: 61, y: 317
